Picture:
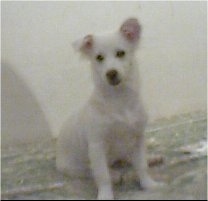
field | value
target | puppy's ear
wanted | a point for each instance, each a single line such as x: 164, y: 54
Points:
x: 85, y: 45
x: 131, y: 30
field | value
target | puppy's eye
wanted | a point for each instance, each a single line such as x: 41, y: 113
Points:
x: 120, y: 53
x: 99, y: 57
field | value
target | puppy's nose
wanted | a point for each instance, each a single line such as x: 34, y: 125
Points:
x: 112, y: 74
x: 113, y: 77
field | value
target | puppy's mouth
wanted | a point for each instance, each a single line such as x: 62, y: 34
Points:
x: 114, y: 82
x: 113, y: 77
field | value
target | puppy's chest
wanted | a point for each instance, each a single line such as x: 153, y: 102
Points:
x: 122, y: 136
x: 126, y: 118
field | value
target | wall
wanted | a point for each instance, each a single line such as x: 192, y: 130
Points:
x: 36, y: 44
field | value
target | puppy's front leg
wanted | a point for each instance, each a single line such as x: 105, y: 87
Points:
x: 100, y: 171
x: 140, y: 164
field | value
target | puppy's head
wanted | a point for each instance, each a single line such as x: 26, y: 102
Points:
x: 112, y: 54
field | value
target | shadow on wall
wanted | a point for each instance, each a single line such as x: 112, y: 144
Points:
x: 23, y: 120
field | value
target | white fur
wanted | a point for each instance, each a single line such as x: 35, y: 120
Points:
x: 111, y: 124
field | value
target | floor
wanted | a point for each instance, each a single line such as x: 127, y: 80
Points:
x: 177, y: 151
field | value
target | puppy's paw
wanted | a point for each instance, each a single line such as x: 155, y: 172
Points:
x: 149, y: 184
x: 105, y: 195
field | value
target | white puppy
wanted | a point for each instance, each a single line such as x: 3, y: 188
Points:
x: 111, y: 124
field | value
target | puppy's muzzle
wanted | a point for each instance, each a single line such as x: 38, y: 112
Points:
x: 113, y: 77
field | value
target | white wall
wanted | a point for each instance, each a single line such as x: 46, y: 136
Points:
x: 36, y: 43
